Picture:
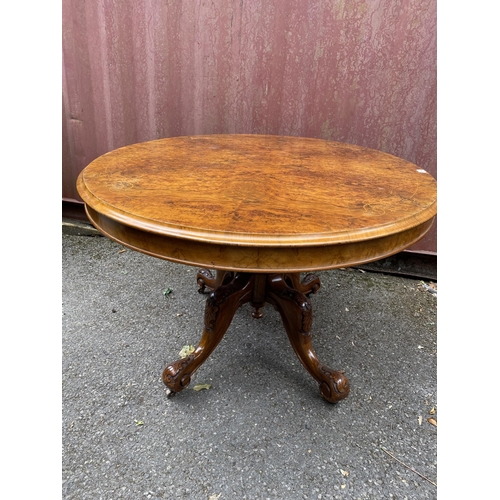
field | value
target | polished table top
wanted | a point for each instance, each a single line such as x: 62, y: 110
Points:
x: 258, y: 203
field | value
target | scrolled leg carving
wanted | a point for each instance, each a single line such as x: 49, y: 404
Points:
x: 220, y: 307
x: 206, y: 279
x: 296, y: 312
x: 309, y: 284
x: 335, y: 385
x: 174, y: 376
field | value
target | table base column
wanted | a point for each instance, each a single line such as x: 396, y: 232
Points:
x: 288, y: 294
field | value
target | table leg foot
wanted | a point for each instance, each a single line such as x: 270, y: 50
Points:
x: 220, y: 308
x: 296, y: 312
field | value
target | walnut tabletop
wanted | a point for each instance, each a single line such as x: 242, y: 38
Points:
x: 259, y: 210
x: 258, y: 203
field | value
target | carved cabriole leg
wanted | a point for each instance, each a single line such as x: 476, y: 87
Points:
x: 220, y: 307
x: 296, y: 312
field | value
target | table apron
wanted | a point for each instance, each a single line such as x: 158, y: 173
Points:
x: 257, y: 259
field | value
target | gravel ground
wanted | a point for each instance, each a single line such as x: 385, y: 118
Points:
x: 261, y: 431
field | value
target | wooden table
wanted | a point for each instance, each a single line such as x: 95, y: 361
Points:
x: 258, y: 210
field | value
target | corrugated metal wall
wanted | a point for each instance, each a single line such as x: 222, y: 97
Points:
x: 358, y: 71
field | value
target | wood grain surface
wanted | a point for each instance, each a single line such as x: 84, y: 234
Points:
x: 257, y: 202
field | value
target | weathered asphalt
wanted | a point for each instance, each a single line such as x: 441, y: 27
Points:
x: 261, y: 431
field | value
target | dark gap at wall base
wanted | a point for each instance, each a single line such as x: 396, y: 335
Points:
x: 406, y: 264
x: 74, y: 210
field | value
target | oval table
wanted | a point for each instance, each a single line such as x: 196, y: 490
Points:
x: 258, y: 210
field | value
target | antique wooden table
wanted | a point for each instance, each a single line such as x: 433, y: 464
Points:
x: 258, y: 210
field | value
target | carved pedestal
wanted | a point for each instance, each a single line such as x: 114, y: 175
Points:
x: 287, y: 293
